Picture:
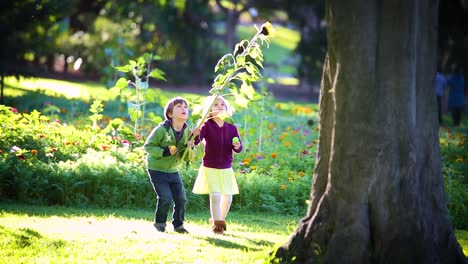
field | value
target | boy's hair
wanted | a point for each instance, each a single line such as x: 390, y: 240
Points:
x: 170, y: 105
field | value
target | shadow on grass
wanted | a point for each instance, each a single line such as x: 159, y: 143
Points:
x: 27, y: 237
x: 219, y: 242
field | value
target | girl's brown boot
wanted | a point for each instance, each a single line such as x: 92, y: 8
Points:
x: 219, y: 226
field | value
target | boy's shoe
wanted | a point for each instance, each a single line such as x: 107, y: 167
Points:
x: 161, y: 229
x: 181, y: 230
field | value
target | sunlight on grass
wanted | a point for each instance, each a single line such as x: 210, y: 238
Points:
x: 110, y: 239
x: 462, y: 237
x: 288, y: 81
x: 52, y: 87
x: 284, y: 37
x: 280, y: 51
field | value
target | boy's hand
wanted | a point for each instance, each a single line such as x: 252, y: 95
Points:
x: 172, y: 150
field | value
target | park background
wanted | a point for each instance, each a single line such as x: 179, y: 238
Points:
x: 77, y: 153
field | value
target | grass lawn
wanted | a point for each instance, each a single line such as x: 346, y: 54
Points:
x: 40, y: 234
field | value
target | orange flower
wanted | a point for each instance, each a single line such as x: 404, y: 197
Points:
x: 34, y: 152
x: 290, y: 179
x: 301, y: 173
x: 287, y: 144
x: 271, y: 126
x: 105, y: 147
x: 283, y: 186
x: 68, y: 142
x: 274, y: 155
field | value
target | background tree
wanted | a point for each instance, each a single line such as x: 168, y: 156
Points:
x: 191, y: 61
x: 378, y: 190
x: 233, y: 10
x: 309, y: 16
x: 29, y: 29
x: 453, y: 32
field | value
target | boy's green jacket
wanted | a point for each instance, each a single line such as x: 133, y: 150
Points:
x: 160, y: 138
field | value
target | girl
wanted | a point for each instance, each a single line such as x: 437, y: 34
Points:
x: 216, y: 176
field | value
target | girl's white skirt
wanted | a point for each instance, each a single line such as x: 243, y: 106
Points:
x: 211, y: 180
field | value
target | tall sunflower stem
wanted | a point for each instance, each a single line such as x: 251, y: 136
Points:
x: 219, y: 92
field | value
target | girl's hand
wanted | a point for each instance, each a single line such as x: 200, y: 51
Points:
x: 190, y: 143
x: 236, y: 145
x: 196, y: 131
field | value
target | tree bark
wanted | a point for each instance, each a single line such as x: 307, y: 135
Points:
x: 377, y: 195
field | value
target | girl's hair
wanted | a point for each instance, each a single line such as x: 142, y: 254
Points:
x: 170, y: 105
x: 229, y: 109
x: 209, y: 102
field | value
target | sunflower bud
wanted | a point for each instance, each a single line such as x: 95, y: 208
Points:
x: 267, y: 29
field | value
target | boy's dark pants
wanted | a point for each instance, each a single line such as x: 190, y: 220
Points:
x: 168, y: 187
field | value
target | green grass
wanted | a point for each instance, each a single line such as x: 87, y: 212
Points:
x: 32, y: 93
x: 32, y: 234
x: 40, y: 234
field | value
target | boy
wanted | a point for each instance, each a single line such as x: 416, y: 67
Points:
x: 164, y: 148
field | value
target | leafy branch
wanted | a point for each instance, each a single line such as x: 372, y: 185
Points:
x: 238, y: 71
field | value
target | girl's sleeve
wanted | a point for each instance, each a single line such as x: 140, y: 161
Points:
x: 200, y: 136
x: 153, y: 144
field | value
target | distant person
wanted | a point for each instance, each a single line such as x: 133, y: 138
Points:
x: 216, y: 176
x: 440, y: 84
x: 456, y: 96
x: 164, y: 147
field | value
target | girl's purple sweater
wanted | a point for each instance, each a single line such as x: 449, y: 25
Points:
x: 218, y: 144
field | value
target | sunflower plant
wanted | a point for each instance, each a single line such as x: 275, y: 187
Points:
x: 141, y: 71
x: 237, y: 71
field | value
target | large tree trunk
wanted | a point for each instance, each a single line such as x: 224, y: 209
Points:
x: 378, y: 193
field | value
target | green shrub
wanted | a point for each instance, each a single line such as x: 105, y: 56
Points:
x: 44, y: 161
